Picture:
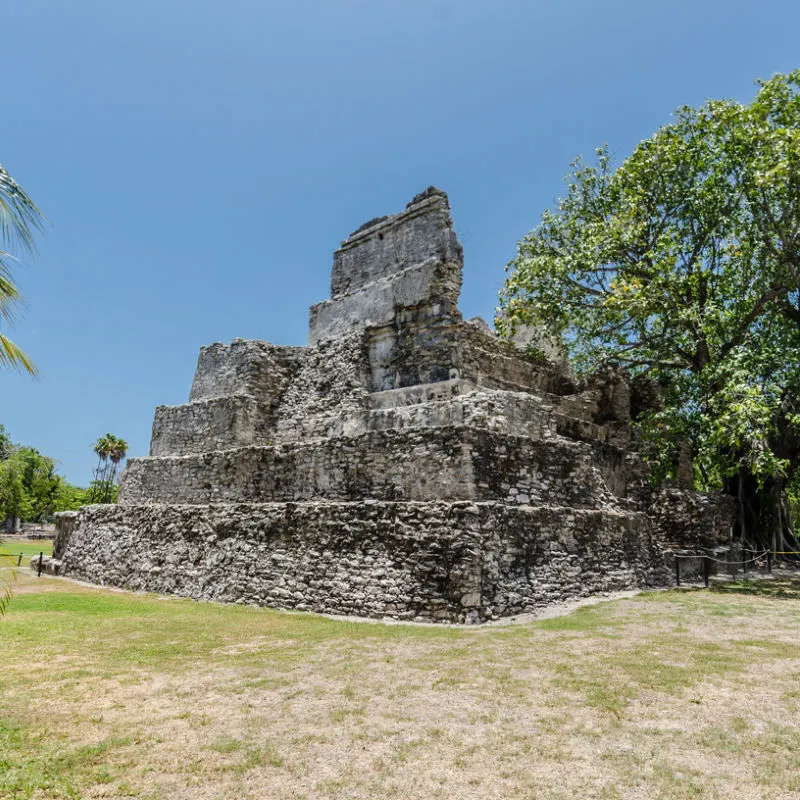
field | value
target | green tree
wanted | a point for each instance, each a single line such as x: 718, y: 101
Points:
x: 5, y: 444
x: 118, y: 451
x: 101, y: 448
x: 14, y: 501
x: 29, y: 486
x: 71, y: 498
x: 41, y: 483
x: 20, y: 219
x: 683, y: 265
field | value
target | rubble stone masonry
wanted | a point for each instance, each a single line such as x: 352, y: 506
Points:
x: 405, y: 464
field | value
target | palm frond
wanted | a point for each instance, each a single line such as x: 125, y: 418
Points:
x: 9, y: 295
x: 20, y: 218
x: 12, y: 356
x: 6, y: 589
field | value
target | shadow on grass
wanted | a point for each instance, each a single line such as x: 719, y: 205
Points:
x: 778, y: 588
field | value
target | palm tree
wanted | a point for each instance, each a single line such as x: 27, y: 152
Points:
x: 19, y: 221
x: 117, y: 451
x: 102, y: 447
x: 110, y: 451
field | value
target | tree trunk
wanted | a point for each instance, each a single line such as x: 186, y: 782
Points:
x: 762, y: 522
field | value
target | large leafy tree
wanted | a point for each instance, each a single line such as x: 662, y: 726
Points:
x: 20, y: 219
x: 683, y: 264
x: 30, y: 488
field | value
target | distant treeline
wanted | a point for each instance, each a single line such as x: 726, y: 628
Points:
x: 30, y: 488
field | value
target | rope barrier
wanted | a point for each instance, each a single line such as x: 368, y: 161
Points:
x: 737, y: 563
x: 721, y: 560
x: 707, y: 560
x: 747, y: 561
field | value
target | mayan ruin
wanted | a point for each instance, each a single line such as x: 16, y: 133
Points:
x: 406, y: 464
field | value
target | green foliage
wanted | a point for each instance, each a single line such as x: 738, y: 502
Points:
x: 71, y: 498
x: 110, y: 451
x: 42, y: 484
x: 30, y: 487
x: 14, y: 501
x: 5, y: 590
x: 5, y: 444
x: 20, y: 219
x: 793, y: 496
x: 683, y: 265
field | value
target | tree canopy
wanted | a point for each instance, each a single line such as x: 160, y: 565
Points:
x: 30, y: 487
x: 683, y: 264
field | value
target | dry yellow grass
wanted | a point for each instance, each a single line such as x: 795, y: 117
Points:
x: 668, y: 695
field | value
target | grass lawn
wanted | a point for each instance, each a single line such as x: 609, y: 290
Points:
x: 682, y: 694
x: 11, y: 548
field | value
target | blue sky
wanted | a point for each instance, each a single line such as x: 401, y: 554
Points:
x: 199, y: 162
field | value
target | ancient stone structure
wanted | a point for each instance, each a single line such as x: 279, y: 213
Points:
x: 405, y: 464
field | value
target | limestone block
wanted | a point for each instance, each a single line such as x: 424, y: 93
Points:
x: 243, y: 367
x: 49, y: 565
x: 376, y: 302
x: 205, y: 425
x: 65, y: 525
x: 421, y: 233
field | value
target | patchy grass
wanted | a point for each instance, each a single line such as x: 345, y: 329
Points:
x: 679, y: 694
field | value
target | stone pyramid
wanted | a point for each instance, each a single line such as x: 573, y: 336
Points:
x: 405, y: 464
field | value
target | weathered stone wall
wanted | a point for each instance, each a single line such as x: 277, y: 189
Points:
x: 454, y: 462
x: 243, y: 367
x: 216, y: 424
x: 330, y: 385
x: 412, y: 259
x: 423, y: 232
x: 461, y: 403
x: 689, y: 520
x: 382, y: 464
x: 65, y: 525
x: 432, y: 283
x: 418, y: 347
x: 459, y: 562
x: 233, y: 401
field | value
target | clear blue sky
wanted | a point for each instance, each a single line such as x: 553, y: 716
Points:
x: 199, y: 161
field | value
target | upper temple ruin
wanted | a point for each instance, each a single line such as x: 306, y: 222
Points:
x: 405, y: 464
